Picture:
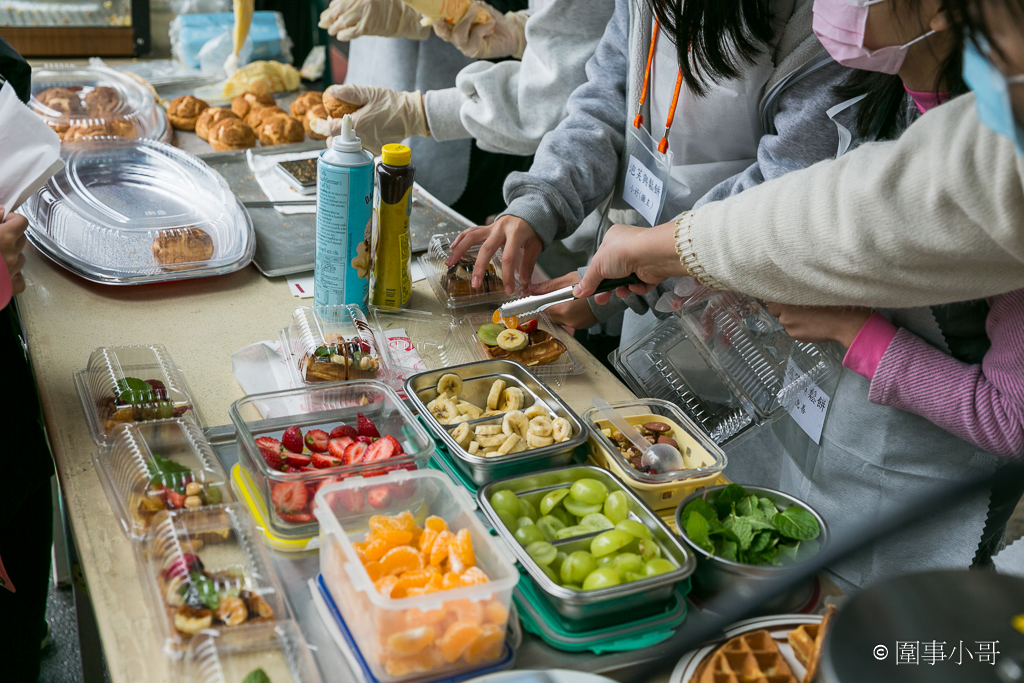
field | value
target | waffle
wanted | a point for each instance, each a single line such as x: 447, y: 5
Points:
x: 807, y: 640
x: 750, y: 658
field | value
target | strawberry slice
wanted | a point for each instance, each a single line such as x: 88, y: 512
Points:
x: 295, y: 517
x: 352, y: 501
x: 402, y: 491
x: 175, y: 500
x: 365, y: 439
x: 379, y: 497
x: 354, y: 453
x: 289, y: 497
x: 270, y: 449
x: 317, y: 440
x: 344, y: 430
x: 297, y: 460
x: 336, y: 446
x: 529, y: 327
x: 322, y: 461
x: 382, y: 449
x: 365, y: 427
x: 292, y: 439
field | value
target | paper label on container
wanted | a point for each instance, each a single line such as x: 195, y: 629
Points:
x: 811, y: 405
x: 643, y: 190
x: 301, y: 285
x: 403, y: 352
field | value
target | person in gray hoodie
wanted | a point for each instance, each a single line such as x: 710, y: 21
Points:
x: 755, y: 100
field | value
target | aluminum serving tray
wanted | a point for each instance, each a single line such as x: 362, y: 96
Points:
x: 595, y: 608
x: 477, y: 379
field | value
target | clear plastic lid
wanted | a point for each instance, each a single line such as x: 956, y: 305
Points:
x: 208, y: 569
x: 452, y: 285
x: 726, y: 362
x: 547, y: 354
x: 138, y: 211
x: 150, y: 468
x: 330, y: 344
x: 230, y: 656
x: 416, y: 341
x: 79, y: 102
x: 132, y: 384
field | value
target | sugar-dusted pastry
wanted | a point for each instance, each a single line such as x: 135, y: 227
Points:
x: 102, y: 101
x: 231, y: 134
x: 258, y: 114
x: 209, y: 117
x: 304, y: 103
x: 338, y: 107
x: 249, y: 99
x: 182, y: 246
x: 116, y: 128
x: 280, y: 129
x: 183, y: 111
x: 317, y: 111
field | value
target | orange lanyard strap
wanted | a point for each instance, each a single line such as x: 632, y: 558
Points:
x: 639, y: 119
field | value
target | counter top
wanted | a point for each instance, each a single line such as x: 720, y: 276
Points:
x: 201, y: 322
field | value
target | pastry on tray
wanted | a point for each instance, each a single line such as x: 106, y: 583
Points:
x: 257, y: 115
x: 526, y: 344
x: 338, y: 359
x: 456, y: 280
x: 280, y: 129
x: 317, y: 111
x: 183, y: 112
x: 231, y: 134
x: 102, y: 101
x: 61, y: 101
x: 209, y: 117
x: 304, y: 103
x: 184, y: 246
x: 752, y: 657
x: 249, y: 99
x: 337, y: 107
x: 116, y: 128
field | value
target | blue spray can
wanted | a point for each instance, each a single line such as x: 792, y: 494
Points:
x: 344, y: 209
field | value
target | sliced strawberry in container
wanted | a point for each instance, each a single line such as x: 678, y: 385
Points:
x: 297, y: 460
x: 365, y: 439
x: 355, y: 452
x: 365, y: 427
x: 337, y: 446
x: 317, y: 440
x: 295, y: 517
x: 322, y: 461
x: 289, y: 496
x: 270, y: 449
x: 292, y: 439
x: 529, y: 327
x: 344, y: 430
x: 382, y: 449
x: 175, y: 500
x: 349, y: 500
x: 379, y: 497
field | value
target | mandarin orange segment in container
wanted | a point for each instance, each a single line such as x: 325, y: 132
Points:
x: 402, y: 559
x: 436, y: 524
x: 487, y: 646
x: 427, y: 539
x: 495, y: 612
x: 457, y: 638
x: 460, y: 552
x: 473, y: 576
x: 439, y: 552
x: 377, y: 549
x: 410, y: 642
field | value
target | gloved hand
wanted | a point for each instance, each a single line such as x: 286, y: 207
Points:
x: 349, y: 19
x: 384, y: 115
x: 501, y: 35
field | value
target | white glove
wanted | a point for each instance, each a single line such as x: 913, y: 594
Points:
x: 501, y: 35
x: 349, y: 19
x: 385, y: 115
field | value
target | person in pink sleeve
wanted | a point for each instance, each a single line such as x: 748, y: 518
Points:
x: 927, y: 395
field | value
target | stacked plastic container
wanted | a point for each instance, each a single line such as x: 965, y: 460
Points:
x: 326, y: 344
x: 452, y: 284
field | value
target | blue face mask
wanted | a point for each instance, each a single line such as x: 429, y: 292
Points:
x: 992, y: 95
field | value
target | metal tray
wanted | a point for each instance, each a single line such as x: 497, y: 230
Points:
x: 477, y: 378
x: 603, y: 607
x: 285, y: 242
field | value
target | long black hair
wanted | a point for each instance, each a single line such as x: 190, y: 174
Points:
x: 715, y: 38
x: 967, y: 20
x: 884, y: 113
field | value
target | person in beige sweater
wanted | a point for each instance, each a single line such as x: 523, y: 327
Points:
x: 931, y: 218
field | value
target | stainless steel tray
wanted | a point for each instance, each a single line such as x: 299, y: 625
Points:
x: 285, y: 242
x: 595, y: 608
x: 477, y: 379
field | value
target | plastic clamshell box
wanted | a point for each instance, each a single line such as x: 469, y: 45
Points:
x: 108, y: 366
x: 375, y: 620
x: 433, y: 337
x: 556, y: 371
x: 437, y: 274
x: 318, y: 327
x: 126, y: 212
x: 228, y: 656
x: 232, y: 558
x: 705, y: 460
x: 726, y: 362
x: 477, y: 379
x: 325, y: 407
x: 141, y: 459
x: 77, y: 101
x: 587, y: 610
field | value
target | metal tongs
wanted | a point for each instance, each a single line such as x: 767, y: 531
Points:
x: 537, y: 303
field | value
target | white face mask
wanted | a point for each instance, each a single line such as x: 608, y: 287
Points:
x: 840, y: 25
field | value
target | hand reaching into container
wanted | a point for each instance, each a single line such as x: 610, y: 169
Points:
x: 349, y: 19
x: 576, y: 314
x: 383, y: 115
x: 650, y: 253
x: 499, y: 35
x: 821, y: 323
x: 12, y: 244
x: 518, y: 241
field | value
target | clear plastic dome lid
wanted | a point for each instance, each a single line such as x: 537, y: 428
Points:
x: 133, y: 211
x: 90, y: 101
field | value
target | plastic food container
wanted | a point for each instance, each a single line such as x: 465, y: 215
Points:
x: 703, y: 457
x: 477, y: 380
x: 588, y: 610
x: 427, y: 629
x: 330, y: 344
x: 726, y: 362
x: 716, y: 576
x: 127, y: 212
x: 556, y: 370
x: 207, y: 569
x: 416, y: 341
x: 151, y: 468
x: 452, y: 286
x: 323, y: 407
x: 122, y: 385
x: 80, y: 101
x: 228, y: 656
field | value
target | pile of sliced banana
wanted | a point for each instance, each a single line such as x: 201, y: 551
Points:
x: 447, y: 409
x: 520, y: 430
